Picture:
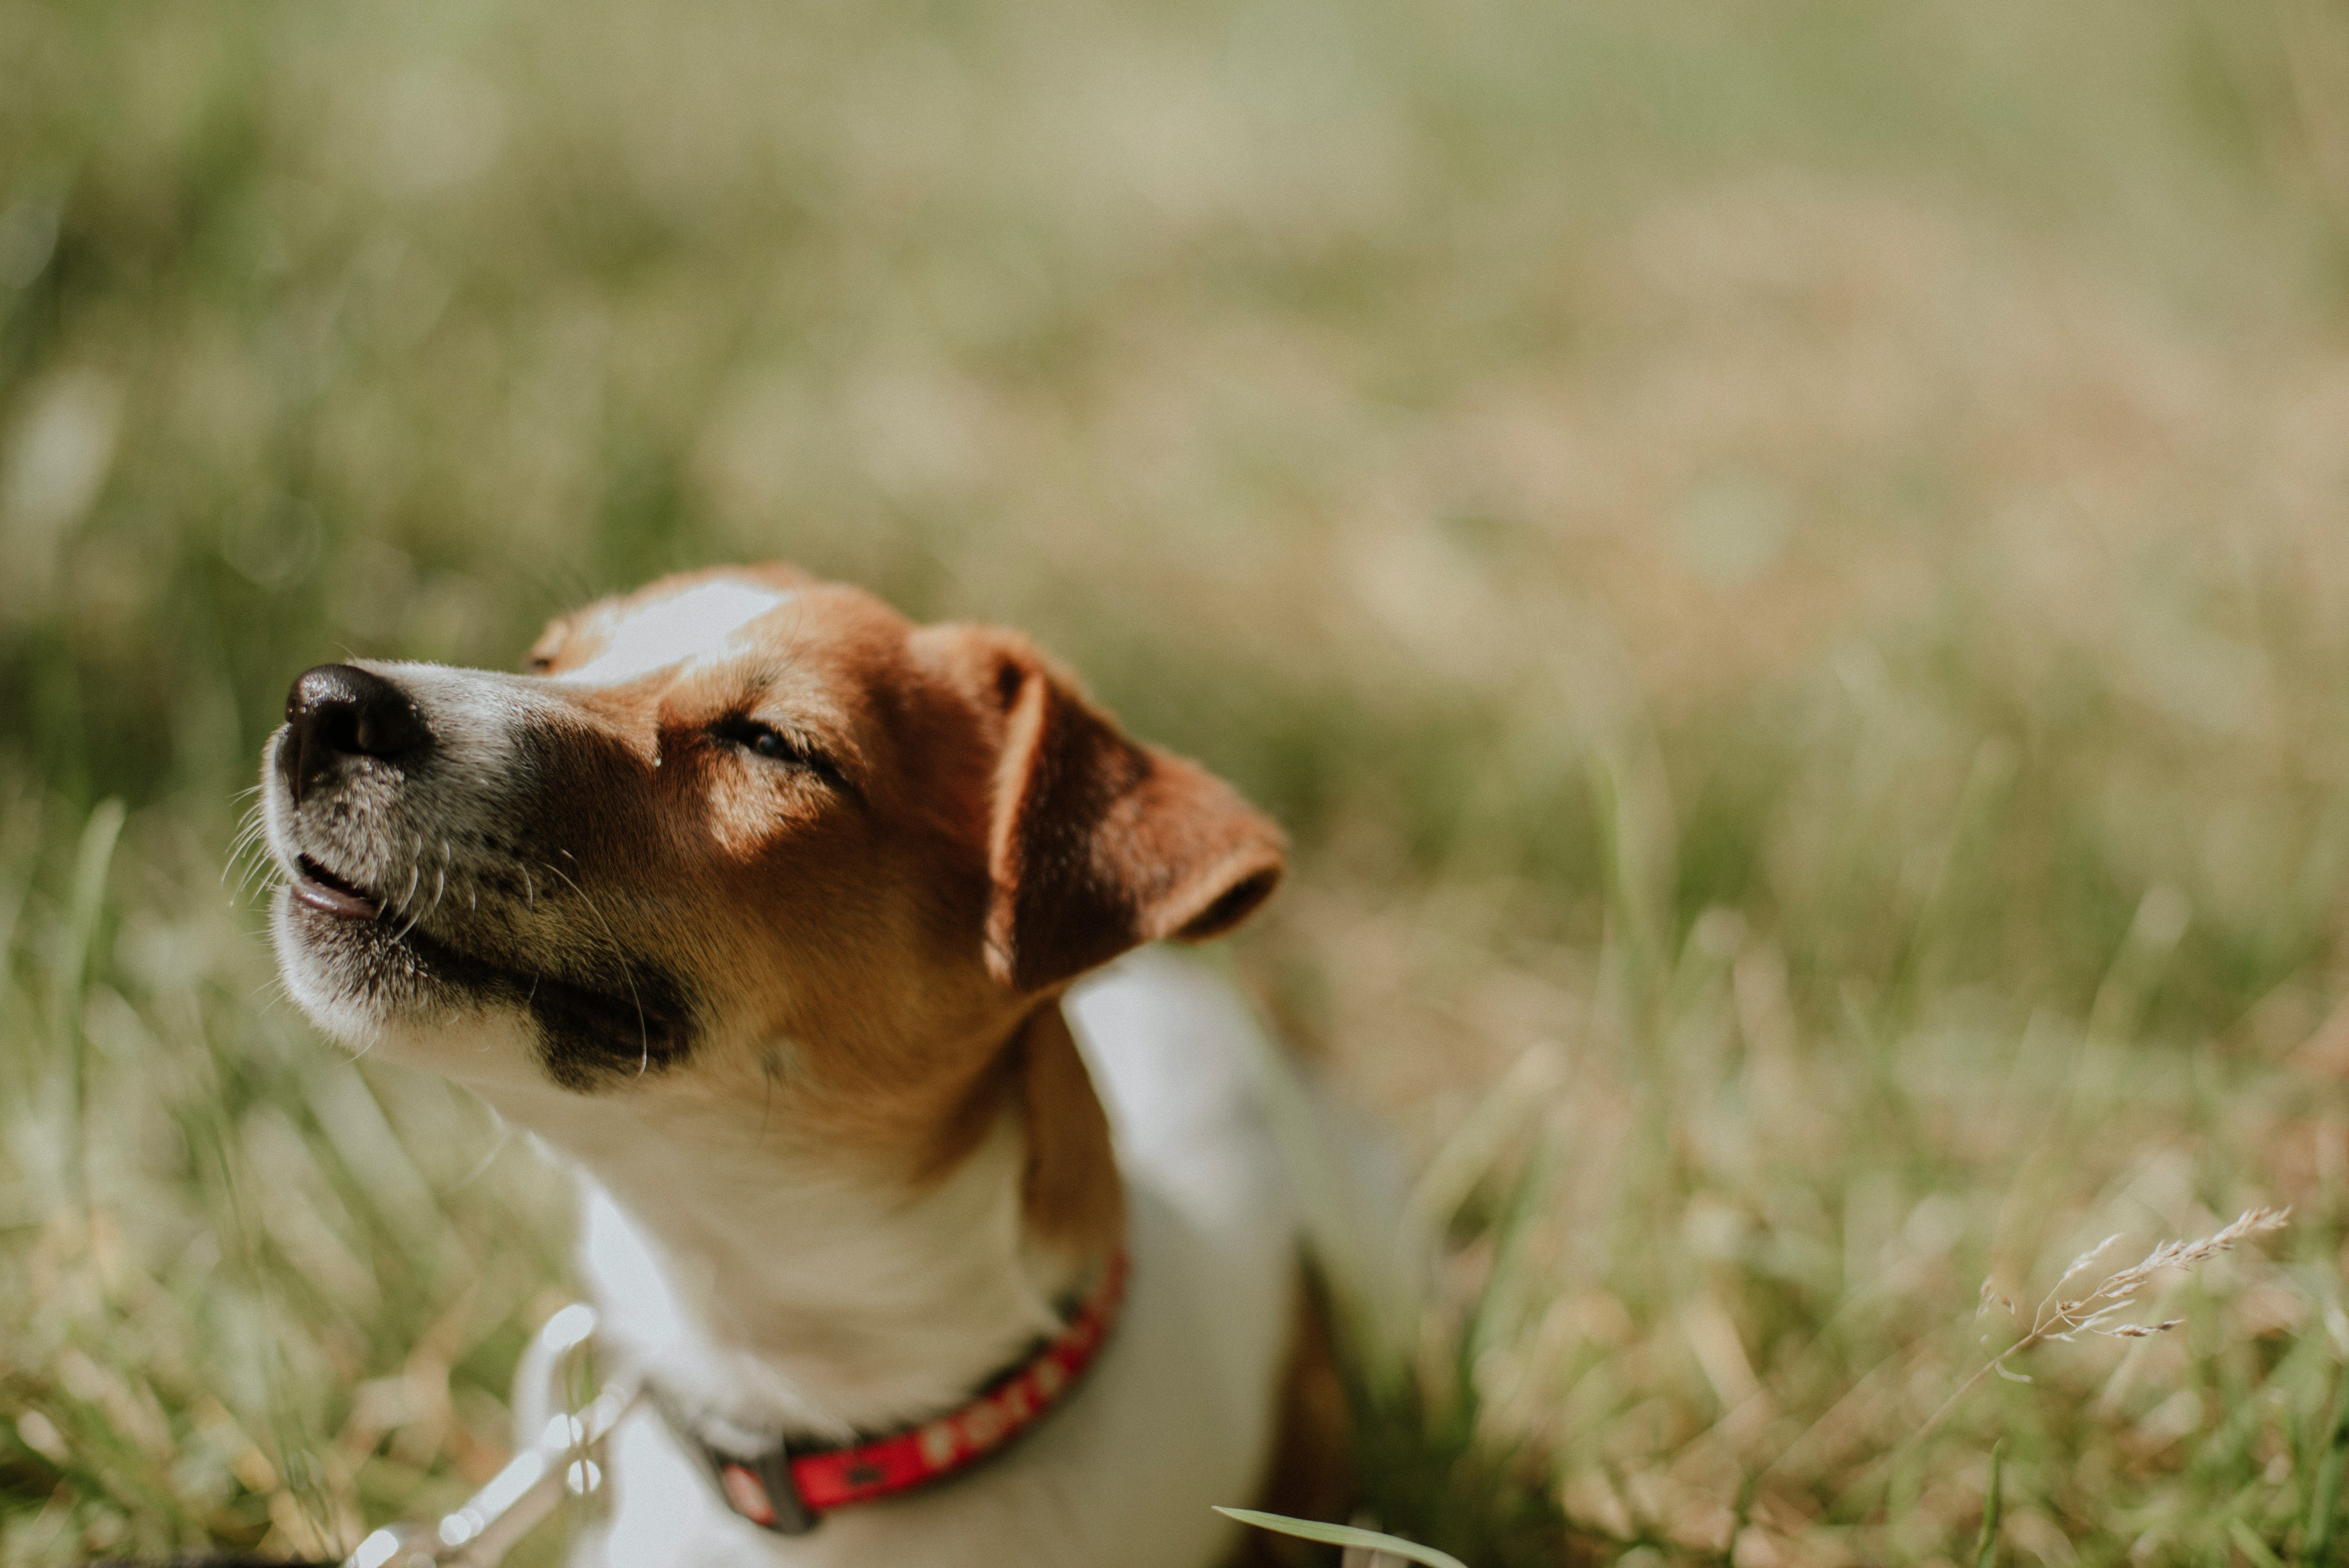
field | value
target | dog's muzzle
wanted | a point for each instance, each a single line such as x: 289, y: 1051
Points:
x: 428, y: 875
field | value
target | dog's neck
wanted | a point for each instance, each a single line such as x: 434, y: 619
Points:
x: 781, y: 1285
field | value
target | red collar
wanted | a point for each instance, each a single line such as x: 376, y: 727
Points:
x: 788, y: 1492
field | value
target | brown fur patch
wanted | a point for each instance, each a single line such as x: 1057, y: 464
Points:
x: 993, y: 834
x: 1312, y: 1473
x: 1100, y: 843
x: 1072, y: 1196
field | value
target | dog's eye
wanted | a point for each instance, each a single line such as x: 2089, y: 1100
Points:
x: 766, y: 740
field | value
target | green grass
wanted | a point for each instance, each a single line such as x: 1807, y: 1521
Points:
x: 1785, y: 567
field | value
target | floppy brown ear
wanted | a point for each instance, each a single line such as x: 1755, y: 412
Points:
x: 1098, y: 843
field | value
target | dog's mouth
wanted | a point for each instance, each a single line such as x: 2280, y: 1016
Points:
x: 323, y: 891
x: 594, y: 1027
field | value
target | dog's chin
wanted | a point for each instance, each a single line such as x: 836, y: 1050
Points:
x: 356, y: 976
x: 379, y: 991
x: 388, y: 986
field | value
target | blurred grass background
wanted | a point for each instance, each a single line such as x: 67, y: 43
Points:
x: 1785, y: 564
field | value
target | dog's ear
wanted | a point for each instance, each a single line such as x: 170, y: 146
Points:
x: 1096, y: 841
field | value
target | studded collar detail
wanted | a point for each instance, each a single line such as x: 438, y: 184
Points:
x: 788, y: 1492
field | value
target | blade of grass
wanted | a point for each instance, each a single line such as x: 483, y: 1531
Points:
x: 91, y: 862
x: 2247, y: 1540
x: 1344, y: 1535
x: 1986, y: 1544
x: 2324, y: 1489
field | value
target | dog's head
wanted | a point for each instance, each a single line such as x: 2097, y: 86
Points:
x: 738, y: 826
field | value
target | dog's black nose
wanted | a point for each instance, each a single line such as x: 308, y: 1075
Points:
x: 338, y: 712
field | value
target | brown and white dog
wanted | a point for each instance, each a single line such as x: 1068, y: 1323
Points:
x: 759, y: 902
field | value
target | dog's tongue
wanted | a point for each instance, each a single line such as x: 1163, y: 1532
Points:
x: 313, y: 888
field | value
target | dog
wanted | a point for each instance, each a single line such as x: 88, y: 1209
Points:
x: 766, y: 909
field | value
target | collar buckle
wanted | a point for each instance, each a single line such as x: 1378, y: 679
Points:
x: 763, y: 1490
x: 759, y: 1488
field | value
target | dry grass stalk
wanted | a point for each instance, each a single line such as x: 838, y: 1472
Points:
x: 2063, y: 1317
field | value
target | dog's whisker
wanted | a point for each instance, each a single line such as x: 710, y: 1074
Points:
x: 254, y: 872
x: 239, y: 850
x: 644, y: 1030
x: 405, y: 904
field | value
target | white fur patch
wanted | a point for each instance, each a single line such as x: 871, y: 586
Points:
x: 474, y: 715
x: 691, y: 625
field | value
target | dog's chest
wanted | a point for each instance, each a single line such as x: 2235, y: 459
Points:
x: 1177, y: 1413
